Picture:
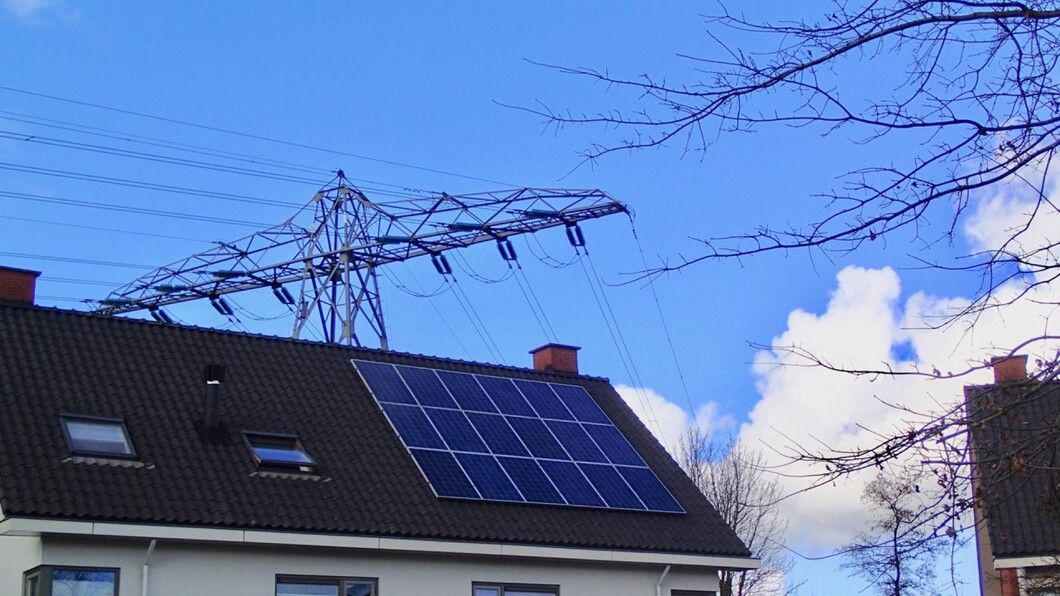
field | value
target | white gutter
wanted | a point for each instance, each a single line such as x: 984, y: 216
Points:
x: 17, y: 526
x: 658, y: 586
x: 1018, y: 562
x: 147, y: 566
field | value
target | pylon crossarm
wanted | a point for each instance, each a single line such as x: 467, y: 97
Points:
x: 345, y: 233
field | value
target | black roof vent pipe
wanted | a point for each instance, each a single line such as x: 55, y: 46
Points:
x: 215, y: 376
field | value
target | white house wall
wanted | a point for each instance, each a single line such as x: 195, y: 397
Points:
x: 17, y: 554
x: 243, y: 570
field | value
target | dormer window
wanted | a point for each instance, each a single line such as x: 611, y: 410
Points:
x: 279, y: 451
x: 97, y: 437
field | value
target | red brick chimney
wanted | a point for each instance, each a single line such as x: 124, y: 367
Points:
x: 556, y: 357
x: 1009, y: 368
x: 17, y: 285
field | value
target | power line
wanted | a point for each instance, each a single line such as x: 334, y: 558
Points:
x: 84, y: 282
x: 101, y: 229
x: 666, y: 328
x: 155, y: 142
x: 624, y: 355
x: 372, y: 185
x: 182, y: 190
x: 252, y: 136
x: 123, y: 209
x: 22, y: 255
x: 155, y: 157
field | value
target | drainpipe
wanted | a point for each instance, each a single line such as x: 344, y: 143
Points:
x: 147, y: 566
x: 658, y: 586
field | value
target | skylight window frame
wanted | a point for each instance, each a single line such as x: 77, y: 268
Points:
x: 64, y: 417
x: 292, y: 440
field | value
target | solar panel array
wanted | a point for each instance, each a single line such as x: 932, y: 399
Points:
x: 493, y: 438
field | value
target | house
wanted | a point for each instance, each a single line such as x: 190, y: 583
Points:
x: 153, y: 459
x: 1016, y: 481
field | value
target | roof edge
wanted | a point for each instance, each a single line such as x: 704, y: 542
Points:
x: 26, y: 526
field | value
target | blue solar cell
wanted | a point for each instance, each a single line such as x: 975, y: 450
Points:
x: 571, y: 483
x: 488, y: 477
x: 506, y: 396
x: 580, y: 403
x: 426, y: 386
x: 456, y: 430
x: 537, y: 439
x: 576, y: 441
x: 384, y: 382
x: 650, y: 490
x: 614, y: 445
x: 531, y: 481
x: 543, y: 400
x: 611, y: 487
x: 444, y: 474
x: 413, y: 427
x: 498, y: 435
x: 467, y: 392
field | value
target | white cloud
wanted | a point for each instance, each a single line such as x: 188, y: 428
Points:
x: 865, y: 325
x: 667, y: 420
x: 29, y: 9
x: 24, y: 9
x: 861, y: 327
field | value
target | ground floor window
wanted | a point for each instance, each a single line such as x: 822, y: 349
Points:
x: 52, y: 580
x: 482, y: 589
x: 295, y: 585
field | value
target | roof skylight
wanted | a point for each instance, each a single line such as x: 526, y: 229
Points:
x: 277, y: 450
x: 102, y: 437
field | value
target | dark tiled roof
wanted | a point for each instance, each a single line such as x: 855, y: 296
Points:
x: 152, y: 375
x: 1017, y: 459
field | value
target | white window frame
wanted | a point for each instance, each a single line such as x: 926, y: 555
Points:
x: 501, y: 589
x: 45, y: 576
x: 340, y: 583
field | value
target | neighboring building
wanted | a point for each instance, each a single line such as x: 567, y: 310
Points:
x: 1015, y: 436
x: 125, y: 470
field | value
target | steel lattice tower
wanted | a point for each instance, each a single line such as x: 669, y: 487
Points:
x: 334, y: 245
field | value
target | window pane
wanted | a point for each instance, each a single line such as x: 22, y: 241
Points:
x: 278, y: 451
x: 510, y: 592
x: 487, y: 592
x: 98, y: 436
x: 289, y: 589
x: 83, y: 582
x: 281, y: 454
x: 32, y: 586
x: 358, y: 589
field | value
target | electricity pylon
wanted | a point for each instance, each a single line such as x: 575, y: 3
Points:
x: 334, y: 257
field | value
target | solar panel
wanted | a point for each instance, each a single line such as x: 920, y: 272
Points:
x: 506, y: 397
x: 531, y: 480
x: 544, y: 400
x: 444, y: 473
x: 490, y: 438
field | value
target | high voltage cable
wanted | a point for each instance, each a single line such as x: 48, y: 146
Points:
x: 105, y: 150
x: 86, y: 282
x: 102, y: 229
x: 155, y: 142
x: 476, y: 321
x: 21, y: 255
x: 144, y: 185
x: 199, y: 150
x: 251, y: 136
x: 123, y: 209
x: 622, y: 354
x: 666, y: 328
x: 434, y: 307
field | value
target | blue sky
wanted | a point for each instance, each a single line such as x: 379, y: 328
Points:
x: 415, y: 90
